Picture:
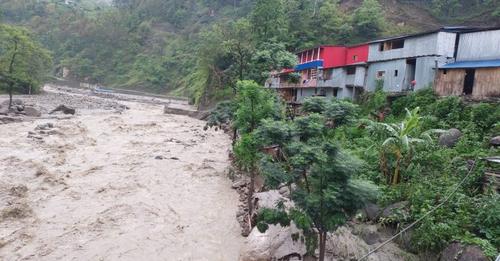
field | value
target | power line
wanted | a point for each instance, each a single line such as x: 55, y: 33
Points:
x: 424, y: 216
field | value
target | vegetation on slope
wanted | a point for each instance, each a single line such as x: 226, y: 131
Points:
x: 401, y: 155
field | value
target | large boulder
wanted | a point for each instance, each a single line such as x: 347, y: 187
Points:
x: 450, y: 138
x: 395, y: 210
x: 495, y: 141
x: 344, y: 245
x: 4, y: 110
x: 269, y: 199
x: 369, y: 233
x: 31, y: 112
x: 64, y: 109
x: 277, y: 243
x: 458, y: 252
x: 371, y: 211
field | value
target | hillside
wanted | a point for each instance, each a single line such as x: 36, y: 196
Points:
x: 174, y: 46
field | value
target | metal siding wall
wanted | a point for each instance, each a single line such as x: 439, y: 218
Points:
x: 337, y: 80
x: 418, y: 46
x: 359, y: 79
x: 446, y: 44
x: 306, y: 92
x: 424, y: 72
x: 479, y: 46
x: 391, y: 82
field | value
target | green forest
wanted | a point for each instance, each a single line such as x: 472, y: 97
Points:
x: 200, y: 48
x: 339, y: 156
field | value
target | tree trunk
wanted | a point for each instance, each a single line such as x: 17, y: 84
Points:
x: 322, y: 245
x: 10, y: 96
x: 304, y: 175
x: 11, y: 71
x: 251, y: 189
x: 395, y: 178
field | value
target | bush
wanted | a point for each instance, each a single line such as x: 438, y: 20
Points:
x: 314, y: 105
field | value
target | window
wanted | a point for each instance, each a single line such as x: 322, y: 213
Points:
x: 355, y: 58
x: 327, y: 74
x: 396, y: 73
x: 445, y: 72
x: 380, y: 74
x: 392, y: 44
x: 335, y: 92
x: 351, y: 70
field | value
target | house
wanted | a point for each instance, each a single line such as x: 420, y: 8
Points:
x: 410, y: 62
x: 476, y: 69
x: 328, y: 70
x: 347, y: 79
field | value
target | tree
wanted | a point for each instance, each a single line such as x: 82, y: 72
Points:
x: 333, y: 24
x: 327, y: 199
x: 398, y: 144
x: 326, y: 194
x: 368, y: 20
x: 268, y: 20
x: 255, y: 104
x: 23, y: 62
x: 239, y: 44
x: 270, y: 56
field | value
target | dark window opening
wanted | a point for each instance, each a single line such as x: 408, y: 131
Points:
x: 380, y: 74
x: 351, y: 70
x: 470, y: 74
x: 393, y: 44
x: 335, y: 92
x: 445, y: 72
x: 355, y: 58
x: 327, y: 74
x: 396, y: 73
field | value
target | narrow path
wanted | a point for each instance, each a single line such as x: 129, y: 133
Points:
x: 139, y: 185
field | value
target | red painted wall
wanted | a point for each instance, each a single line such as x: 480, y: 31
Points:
x: 337, y: 56
x: 334, y: 56
x: 361, y: 51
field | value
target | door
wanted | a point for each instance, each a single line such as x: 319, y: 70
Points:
x: 470, y: 74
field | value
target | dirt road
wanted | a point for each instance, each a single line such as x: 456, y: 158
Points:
x: 105, y: 185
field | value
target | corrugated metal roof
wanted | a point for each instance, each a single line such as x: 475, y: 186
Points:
x: 448, y: 29
x: 309, y: 65
x: 472, y: 64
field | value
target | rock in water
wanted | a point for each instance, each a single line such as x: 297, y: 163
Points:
x: 64, y: 109
x: 450, y: 138
x: 276, y: 243
x: 32, y: 112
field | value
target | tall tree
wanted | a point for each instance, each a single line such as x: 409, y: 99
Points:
x: 268, y: 20
x: 333, y: 24
x: 368, y: 20
x: 23, y: 62
x: 254, y: 104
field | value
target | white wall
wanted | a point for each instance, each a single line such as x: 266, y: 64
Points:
x: 479, y: 46
x: 440, y: 43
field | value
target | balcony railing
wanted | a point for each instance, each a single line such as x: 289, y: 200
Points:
x: 307, y: 84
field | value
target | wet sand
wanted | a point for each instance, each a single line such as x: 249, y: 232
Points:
x: 102, y: 185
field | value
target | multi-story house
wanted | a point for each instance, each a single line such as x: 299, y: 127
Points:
x: 456, y: 60
x: 476, y: 71
x: 410, y: 62
x: 328, y: 70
